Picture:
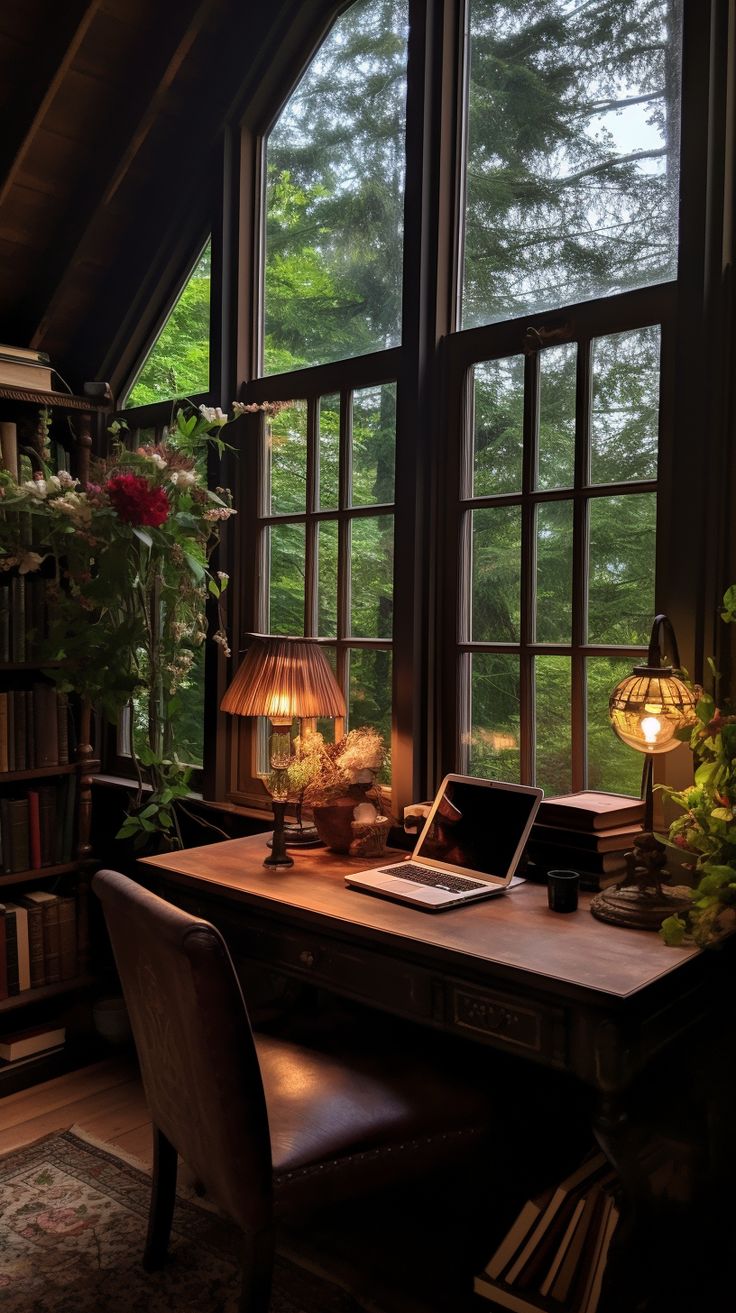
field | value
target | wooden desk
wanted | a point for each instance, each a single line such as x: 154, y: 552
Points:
x: 566, y: 991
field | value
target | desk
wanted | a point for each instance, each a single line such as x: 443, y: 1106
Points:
x: 565, y: 991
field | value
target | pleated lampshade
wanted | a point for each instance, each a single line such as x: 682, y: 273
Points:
x: 283, y: 678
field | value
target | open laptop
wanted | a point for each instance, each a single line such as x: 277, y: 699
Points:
x: 469, y: 848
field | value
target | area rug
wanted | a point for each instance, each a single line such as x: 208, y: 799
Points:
x: 73, y: 1221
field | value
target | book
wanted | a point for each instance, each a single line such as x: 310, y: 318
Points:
x: 16, y: 850
x: 33, y: 374
x: 25, y: 1043
x: 510, y: 1299
x: 582, y: 1174
x: 62, y: 729
x: 618, y: 839
x: 22, y: 353
x: 573, y: 1265
x: 517, y: 1233
x: 67, y: 937
x: 18, y: 617
x: 591, y: 809
x: 23, y: 947
x: 593, y: 1285
x: 3, y: 968
x: 47, y: 725
x: 4, y: 767
x: 19, y: 728
x: 34, y: 830
x: 9, y: 447
x: 4, y: 622
x: 559, y: 857
x: 47, y: 809
x: 33, y: 1057
x: 35, y: 940
x: 49, y: 904
x: 563, y: 1246
x: 11, y: 951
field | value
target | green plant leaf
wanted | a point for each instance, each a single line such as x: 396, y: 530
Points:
x: 144, y: 537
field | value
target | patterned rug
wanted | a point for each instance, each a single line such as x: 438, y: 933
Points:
x: 72, y: 1227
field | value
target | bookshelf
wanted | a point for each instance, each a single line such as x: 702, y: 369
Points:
x: 46, y: 769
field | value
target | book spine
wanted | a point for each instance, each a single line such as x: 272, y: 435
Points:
x: 62, y: 716
x: 18, y: 617
x: 4, y: 623
x: 68, y: 937
x: 30, y: 731
x: 4, y: 733
x: 9, y: 447
x: 3, y: 967
x: 47, y: 822
x: 21, y: 928
x: 19, y: 728
x: 51, y: 946
x: 11, y: 953
x: 5, y: 827
x: 34, y: 830
x: 45, y: 719
x: 18, y: 834
x: 11, y: 731
x: 70, y: 816
x: 35, y: 946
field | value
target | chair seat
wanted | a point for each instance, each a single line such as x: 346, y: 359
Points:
x: 321, y: 1107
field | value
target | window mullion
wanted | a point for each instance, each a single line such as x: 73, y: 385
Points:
x: 528, y: 577
x: 578, y: 711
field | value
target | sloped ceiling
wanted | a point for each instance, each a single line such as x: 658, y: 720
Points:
x: 112, y: 114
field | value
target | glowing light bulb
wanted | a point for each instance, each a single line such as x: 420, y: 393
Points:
x: 651, y: 728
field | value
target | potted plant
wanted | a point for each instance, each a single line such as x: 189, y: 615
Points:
x: 339, y: 782
x: 706, y: 827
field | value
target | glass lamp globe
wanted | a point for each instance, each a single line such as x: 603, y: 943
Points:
x: 647, y: 708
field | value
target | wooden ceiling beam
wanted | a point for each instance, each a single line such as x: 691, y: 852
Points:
x: 18, y: 145
x: 71, y: 250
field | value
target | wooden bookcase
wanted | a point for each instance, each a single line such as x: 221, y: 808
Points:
x: 65, y: 1001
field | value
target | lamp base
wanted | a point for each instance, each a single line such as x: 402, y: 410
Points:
x: 640, y: 902
x: 300, y: 836
x: 637, y: 909
x: 279, y: 856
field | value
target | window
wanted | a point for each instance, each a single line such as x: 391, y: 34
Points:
x: 178, y: 363
x: 572, y: 172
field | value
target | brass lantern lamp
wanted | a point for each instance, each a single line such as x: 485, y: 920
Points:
x: 647, y: 708
x: 283, y: 679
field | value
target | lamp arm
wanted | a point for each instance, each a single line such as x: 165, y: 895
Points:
x: 662, y: 623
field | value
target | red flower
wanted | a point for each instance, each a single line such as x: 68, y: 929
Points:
x: 136, y: 502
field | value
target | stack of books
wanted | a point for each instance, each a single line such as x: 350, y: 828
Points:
x: 24, y: 1045
x: 553, y: 1257
x: 588, y: 832
x: 22, y: 367
x: 37, y: 827
x: 38, y: 941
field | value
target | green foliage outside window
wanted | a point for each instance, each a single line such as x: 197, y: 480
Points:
x: 178, y: 364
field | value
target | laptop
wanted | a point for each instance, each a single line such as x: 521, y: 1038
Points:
x: 469, y: 848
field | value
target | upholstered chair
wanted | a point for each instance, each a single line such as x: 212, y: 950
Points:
x: 265, y: 1125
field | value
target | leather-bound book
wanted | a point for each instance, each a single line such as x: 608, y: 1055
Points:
x: 4, y: 622
x: 19, y: 727
x: 35, y: 940
x: 47, y: 796
x: 34, y: 830
x: 62, y: 728
x: 3, y: 969
x: 16, y: 834
x: 49, y: 904
x: 68, y: 937
x: 30, y: 731
x: 18, y: 617
x: 11, y: 951
x: 46, y: 723
x: 70, y: 816
x: 4, y: 733
x: 21, y: 937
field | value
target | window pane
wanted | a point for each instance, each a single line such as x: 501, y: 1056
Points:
x: 611, y: 765
x: 494, y: 736
x: 286, y: 575
x: 556, y: 459
x: 327, y: 579
x: 374, y: 445
x: 499, y: 426
x: 625, y: 419
x: 553, y: 733
x: 335, y: 196
x: 621, y: 586
x: 369, y: 701
x: 554, y: 572
x: 573, y: 152
x: 372, y: 577
x: 178, y: 364
x: 329, y: 452
x: 287, y: 445
x: 496, y: 579
x: 326, y: 724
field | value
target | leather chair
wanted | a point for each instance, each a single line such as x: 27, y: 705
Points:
x: 266, y: 1125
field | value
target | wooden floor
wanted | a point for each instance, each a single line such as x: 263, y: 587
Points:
x: 106, y: 1100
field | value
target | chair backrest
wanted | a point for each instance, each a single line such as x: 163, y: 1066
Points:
x: 195, y: 1045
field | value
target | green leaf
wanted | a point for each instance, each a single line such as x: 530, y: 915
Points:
x: 196, y: 567
x: 144, y: 537
x: 672, y: 931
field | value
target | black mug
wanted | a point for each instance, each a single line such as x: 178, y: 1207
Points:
x: 562, y: 891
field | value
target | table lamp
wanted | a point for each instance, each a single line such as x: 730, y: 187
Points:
x: 646, y: 709
x: 282, y: 678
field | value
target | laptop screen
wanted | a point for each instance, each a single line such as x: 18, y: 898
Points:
x: 477, y: 827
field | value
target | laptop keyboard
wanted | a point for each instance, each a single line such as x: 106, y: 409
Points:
x: 438, y: 879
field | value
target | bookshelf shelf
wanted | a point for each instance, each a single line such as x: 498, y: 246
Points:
x: 39, y: 995
x: 39, y: 772
x: 59, y: 400
x: 32, y: 877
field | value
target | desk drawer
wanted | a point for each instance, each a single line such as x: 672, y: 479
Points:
x: 361, y: 974
x: 519, y: 1024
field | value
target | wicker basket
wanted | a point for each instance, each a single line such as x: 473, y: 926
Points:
x: 369, y: 837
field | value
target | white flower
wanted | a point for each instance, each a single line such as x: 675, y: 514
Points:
x: 76, y: 506
x: 183, y: 478
x: 213, y: 414
x: 29, y: 562
x: 66, y: 480
x: 219, y: 513
x: 37, y: 488
x: 157, y: 460
x: 222, y: 576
